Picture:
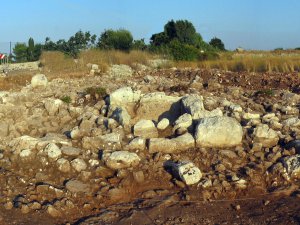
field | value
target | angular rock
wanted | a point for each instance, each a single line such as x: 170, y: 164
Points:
x: 292, y: 165
x: 76, y: 186
x: 174, y: 145
x: 53, y: 151
x: 193, y: 104
x: 70, y: 151
x: 184, y: 121
x: 63, y: 165
x: 121, y: 159
x: 218, y: 132
x: 120, y: 71
x: 78, y: 164
x: 145, y: 129
x: 163, y: 124
x: 52, y: 106
x: 137, y: 144
x: 121, y: 116
x: 153, y: 106
x: 266, y: 136
x: 111, y: 141
x: 189, y: 173
x: 39, y: 80
x: 124, y: 96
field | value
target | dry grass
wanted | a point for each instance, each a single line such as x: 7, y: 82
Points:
x: 58, y: 64
x: 254, y: 61
x: 15, y: 81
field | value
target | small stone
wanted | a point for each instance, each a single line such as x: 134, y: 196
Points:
x: 25, y: 209
x: 139, y: 176
x: 78, y: 164
x: 53, y: 151
x: 8, y: 205
x: 63, y: 165
x: 53, y: 211
x: 189, y: 173
x: 70, y: 151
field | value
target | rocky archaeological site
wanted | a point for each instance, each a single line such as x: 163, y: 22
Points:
x: 151, y: 146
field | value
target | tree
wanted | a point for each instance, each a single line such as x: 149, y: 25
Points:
x: 30, y: 50
x: 159, y: 39
x: 20, y: 52
x: 139, y: 44
x: 217, y: 43
x: 116, y: 39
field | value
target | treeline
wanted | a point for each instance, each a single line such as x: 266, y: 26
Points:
x: 179, y: 40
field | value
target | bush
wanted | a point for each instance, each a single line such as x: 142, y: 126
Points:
x: 118, y: 40
x: 66, y: 99
x: 180, y: 51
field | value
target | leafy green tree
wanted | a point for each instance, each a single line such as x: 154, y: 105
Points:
x: 139, y: 44
x: 181, y: 51
x: 217, y: 43
x: 159, y: 39
x: 20, y: 52
x: 116, y: 39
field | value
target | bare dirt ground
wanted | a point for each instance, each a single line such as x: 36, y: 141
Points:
x: 117, y: 197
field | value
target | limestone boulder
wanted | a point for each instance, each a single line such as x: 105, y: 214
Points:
x: 39, y: 80
x: 218, y: 132
x: 145, y: 129
x: 174, y: 145
x: 121, y: 159
x: 292, y: 165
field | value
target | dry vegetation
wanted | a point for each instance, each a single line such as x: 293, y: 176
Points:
x: 58, y: 63
x: 254, y: 61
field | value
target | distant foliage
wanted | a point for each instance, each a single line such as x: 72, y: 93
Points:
x: 116, y: 39
x: 217, y: 43
x: 27, y: 53
x: 139, y: 45
x: 181, y: 41
x: 76, y: 43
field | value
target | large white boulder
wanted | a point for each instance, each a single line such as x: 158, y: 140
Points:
x: 219, y: 132
x: 39, y: 80
x: 124, y: 96
x: 52, y: 105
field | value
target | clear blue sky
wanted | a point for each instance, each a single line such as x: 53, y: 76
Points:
x: 252, y: 24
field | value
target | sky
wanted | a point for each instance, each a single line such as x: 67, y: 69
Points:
x: 251, y: 24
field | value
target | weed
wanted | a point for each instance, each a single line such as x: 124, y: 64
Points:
x: 66, y: 99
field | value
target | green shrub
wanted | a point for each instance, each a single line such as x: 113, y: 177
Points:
x: 119, y: 40
x: 66, y: 99
x: 181, y: 51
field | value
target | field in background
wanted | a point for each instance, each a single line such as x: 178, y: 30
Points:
x: 56, y: 64
x: 252, y: 61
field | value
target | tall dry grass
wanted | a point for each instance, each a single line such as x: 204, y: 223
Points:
x: 281, y: 61
x: 60, y: 64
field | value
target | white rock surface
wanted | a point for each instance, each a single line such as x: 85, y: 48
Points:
x: 78, y: 164
x: 189, y: 173
x: 39, y: 80
x: 145, y: 129
x: 218, y: 132
x: 174, y: 145
x: 121, y: 159
x: 266, y: 136
x: 52, y: 151
x: 163, y: 124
